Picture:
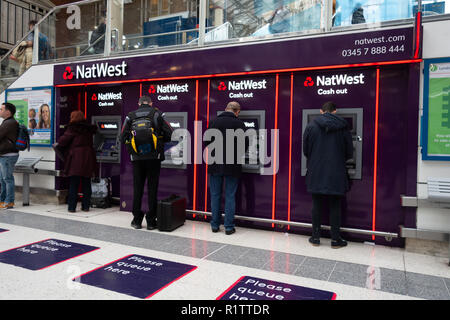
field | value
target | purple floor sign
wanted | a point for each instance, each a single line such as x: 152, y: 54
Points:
x: 136, y: 275
x: 44, y: 253
x: 251, y: 288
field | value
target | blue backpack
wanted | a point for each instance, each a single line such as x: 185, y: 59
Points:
x: 23, y: 138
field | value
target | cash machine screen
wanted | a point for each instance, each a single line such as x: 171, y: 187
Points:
x: 109, y: 147
x: 252, y: 152
x: 107, y: 140
x: 173, y: 150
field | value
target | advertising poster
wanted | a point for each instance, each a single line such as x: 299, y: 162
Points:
x: 436, y: 121
x: 34, y: 109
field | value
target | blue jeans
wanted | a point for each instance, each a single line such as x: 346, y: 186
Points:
x: 7, y: 178
x: 215, y: 188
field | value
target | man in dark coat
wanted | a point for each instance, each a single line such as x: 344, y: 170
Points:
x: 80, y: 162
x: 146, y: 166
x: 327, y: 145
x: 225, y: 170
x: 8, y: 154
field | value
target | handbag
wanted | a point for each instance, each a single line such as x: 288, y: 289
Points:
x: 19, y: 52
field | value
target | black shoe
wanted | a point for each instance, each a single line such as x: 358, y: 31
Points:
x: 85, y: 209
x: 136, y: 224
x: 70, y: 210
x: 151, y: 223
x: 314, y: 241
x: 152, y: 226
x: 215, y: 230
x: 231, y: 231
x: 336, y: 244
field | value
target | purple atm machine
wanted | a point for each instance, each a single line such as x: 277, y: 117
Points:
x: 377, y: 92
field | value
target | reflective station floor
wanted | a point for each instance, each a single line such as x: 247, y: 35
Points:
x: 357, y: 272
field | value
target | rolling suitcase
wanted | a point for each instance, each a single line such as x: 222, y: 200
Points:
x: 171, y: 213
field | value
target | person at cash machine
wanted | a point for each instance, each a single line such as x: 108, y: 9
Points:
x: 327, y: 145
x: 224, y: 171
x: 80, y: 163
x: 144, y: 133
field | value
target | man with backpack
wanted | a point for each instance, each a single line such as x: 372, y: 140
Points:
x: 8, y: 154
x: 144, y: 133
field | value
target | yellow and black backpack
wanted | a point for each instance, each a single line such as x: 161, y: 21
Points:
x: 144, y: 136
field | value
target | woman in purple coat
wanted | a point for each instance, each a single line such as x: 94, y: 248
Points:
x: 79, y: 158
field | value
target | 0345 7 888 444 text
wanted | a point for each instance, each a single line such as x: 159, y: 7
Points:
x: 373, y: 51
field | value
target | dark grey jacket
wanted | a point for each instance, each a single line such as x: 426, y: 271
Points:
x: 227, y: 120
x: 327, y: 145
x: 8, y: 136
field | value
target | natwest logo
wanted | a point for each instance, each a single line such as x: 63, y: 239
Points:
x: 247, y: 85
x: 222, y: 86
x: 109, y: 96
x: 68, y: 74
x: 170, y: 88
x: 335, y: 84
x: 308, y: 82
x: 339, y: 80
x: 96, y: 70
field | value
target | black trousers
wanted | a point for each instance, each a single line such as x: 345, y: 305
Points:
x: 334, y: 204
x: 145, y: 170
x: 74, y: 183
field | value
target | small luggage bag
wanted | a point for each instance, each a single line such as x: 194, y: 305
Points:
x: 101, y: 193
x: 171, y: 213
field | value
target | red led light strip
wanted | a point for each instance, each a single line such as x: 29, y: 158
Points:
x: 290, y: 149
x: 418, y: 25
x: 274, y: 183
x: 375, y: 157
x: 206, y: 165
x: 194, y: 196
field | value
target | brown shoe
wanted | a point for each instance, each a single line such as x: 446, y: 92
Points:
x: 7, y: 205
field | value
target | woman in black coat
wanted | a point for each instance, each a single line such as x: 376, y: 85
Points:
x: 79, y: 158
x: 327, y: 145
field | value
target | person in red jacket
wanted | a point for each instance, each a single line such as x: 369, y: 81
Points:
x: 80, y: 163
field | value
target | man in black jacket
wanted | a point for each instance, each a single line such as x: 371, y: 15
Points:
x: 327, y: 145
x: 224, y: 168
x: 8, y: 154
x: 146, y: 165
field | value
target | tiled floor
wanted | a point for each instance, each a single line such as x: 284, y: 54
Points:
x: 359, y: 271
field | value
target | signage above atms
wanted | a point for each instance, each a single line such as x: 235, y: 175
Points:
x: 382, y: 46
x: 95, y: 70
x: 105, y: 98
